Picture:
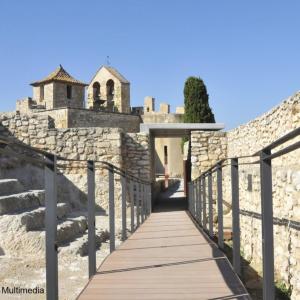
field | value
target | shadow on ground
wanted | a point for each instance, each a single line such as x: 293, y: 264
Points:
x: 172, y: 199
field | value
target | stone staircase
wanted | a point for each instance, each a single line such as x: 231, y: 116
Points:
x: 22, y: 223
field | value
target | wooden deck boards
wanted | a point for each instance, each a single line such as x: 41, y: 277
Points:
x: 166, y: 258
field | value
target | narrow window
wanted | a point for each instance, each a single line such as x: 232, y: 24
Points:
x: 69, y: 91
x: 41, y: 92
x: 166, y: 155
x: 148, y: 109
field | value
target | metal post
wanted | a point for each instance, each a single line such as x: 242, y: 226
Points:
x: 196, y: 200
x: 210, y: 205
x: 111, y: 210
x: 204, y: 203
x: 91, y: 217
x: 148, y: 200
x: 189, y: 196
x: 132, y: 205
x: 137, y: 203
x: 235, y: 215
x: 51, y: 228
x: 200, y: 200
x: 267, y: 225
x: 124, y: 226
x: 220, y: 206
x: 193, y: 199
x: 142, y: 203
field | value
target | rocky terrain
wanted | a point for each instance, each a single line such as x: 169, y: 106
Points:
x: 22, y: 242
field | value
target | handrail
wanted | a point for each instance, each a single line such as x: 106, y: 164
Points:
x: 136, y: 189
x: 271, y: 146
x: 198, y: 204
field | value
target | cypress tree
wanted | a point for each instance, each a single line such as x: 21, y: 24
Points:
x: 196, y: 106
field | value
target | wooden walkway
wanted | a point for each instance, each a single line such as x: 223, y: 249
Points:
x: 166, y: 258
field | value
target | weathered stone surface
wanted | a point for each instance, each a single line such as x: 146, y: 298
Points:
x: 246, y: 140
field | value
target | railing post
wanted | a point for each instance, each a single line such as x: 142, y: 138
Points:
x: 193, y: 199
x: 132, y: 205
x: 210, y: 205
x: 204, y: 203
x: 235, y: 215
x: 124, y: 226
x: 220, y: 206
x: 148, y: 200
x: 142, y: 203
x: 137, y: 199
x: 200, y: 201
x: 267, y: 225
x: 189, y: 196
x: 111, y: 210
x: 91, y: 217
x: 196, y: 200
x: 51, y: 228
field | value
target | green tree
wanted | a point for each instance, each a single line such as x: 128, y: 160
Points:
x: 196, y: 106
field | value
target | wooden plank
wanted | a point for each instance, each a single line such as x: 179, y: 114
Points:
x: 166, y: 258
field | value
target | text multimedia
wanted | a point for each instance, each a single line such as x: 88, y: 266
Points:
x: 19, y: 290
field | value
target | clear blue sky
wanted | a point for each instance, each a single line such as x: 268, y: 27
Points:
x: 247, y: 52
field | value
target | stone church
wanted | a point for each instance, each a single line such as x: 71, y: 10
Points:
x: 108, y: 91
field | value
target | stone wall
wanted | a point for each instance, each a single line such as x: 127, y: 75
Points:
x: 88, y: 118
x: 77, y: 143
x: 246, y: 140
x: 76, y: 117
x: 137, y: 151
x: 207, y: 148
x: 60, y: 96
x: 47, y: 100
x: 127, y: 151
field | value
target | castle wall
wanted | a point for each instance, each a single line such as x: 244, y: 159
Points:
x: 78, y: 143
x: 77, y: 117
x: 137, y: 155
x: 88, y: 118
x: 102, y: 144
x: 246, y: 140
x: 207, y: 148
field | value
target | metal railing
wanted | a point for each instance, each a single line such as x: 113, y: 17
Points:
x: 139, y: 194
x: 198, y: 204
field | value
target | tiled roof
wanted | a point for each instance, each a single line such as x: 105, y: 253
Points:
x: 61, y: 75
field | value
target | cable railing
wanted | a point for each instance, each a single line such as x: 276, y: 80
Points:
x: 200, y: 197
x: 139, y: 197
